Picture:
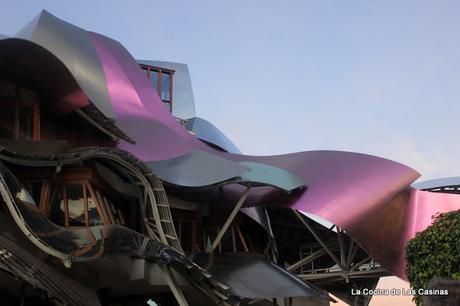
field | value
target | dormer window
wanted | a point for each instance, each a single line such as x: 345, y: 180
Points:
x: 19, y: 112
x: 162, y: 81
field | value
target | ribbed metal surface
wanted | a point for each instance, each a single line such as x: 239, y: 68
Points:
x: 33, y: 270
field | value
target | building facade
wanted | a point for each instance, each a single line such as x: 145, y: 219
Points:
x: 114, y: 192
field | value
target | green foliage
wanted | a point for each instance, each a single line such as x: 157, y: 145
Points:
x: 435, y: 252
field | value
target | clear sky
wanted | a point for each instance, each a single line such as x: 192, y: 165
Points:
x: 378, y: 77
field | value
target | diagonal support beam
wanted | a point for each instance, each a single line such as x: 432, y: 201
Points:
x: 320, y: 241
x: 230, y: 219
x: 306, y: 260
x: 341, y: 246
x: 351, y: 253
x: 358, y: 264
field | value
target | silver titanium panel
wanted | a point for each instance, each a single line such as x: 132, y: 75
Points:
x: 208, y: 132
x: 72, y: 45
x: 196, y: 169
x: 271, y: 176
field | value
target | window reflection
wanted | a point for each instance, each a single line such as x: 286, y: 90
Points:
x: 165, y: 95
x: 154, y: 79
x: 76, y: 204
x: 79, y: 204
x: 93, y: 214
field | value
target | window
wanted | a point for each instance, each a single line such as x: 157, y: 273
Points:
x: 161, y: 80
x: 74, y: 205
x: 75, y: 197
x: 19, y: 113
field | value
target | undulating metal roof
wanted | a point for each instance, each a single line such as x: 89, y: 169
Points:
x: 201, y: 169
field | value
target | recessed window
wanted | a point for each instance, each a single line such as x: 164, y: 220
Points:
x: 162, y: 81
x: 19, y: 113
x: 74, y: 205
x: 75, y: 202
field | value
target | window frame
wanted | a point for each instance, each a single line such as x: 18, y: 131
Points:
x: 160, y: 72
x: 17, y: 103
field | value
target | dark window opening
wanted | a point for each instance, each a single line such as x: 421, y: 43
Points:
x: 19, y: 113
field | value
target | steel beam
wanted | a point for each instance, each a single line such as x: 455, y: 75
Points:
x: 306, y: 260
x: 360, y: 263
x: 230, y: 219
x: 356, y: 274
x: 320, y: 241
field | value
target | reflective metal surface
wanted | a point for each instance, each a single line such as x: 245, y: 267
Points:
x: 197, y: 169
x: 23, y: 264
x: 267, y: 175
x: 244, y: 272
x: 206, y: 131
x: 72, y: 46
x: 201, y: 169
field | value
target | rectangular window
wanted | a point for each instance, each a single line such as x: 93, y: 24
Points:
x: 162, y: 81
x: 7, y: 118
x: 154, y: 79
x: 19, y: 113
x: 165, y: 95
x: 26, y: 123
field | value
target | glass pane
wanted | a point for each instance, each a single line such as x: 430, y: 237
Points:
x: 94, y: 218
x: 165, y: 86
x: 7, y: 121
x: 76, y: 204
x: 26, y: 126
x: 154, y: 79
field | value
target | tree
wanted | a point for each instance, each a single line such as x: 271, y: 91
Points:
x: 435, y: 252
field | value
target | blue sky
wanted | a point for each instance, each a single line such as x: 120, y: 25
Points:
x: 378, y: 77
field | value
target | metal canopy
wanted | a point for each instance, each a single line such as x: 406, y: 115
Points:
x: 243, y: 274
x: 207, y: 132
x: 72, y: 45
x: 201, y: 169
x: 196, y: 169
x: 272, y: 176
